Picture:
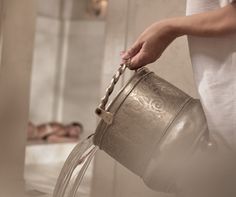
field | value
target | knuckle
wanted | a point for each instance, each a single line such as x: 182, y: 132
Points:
x: 132, y: 50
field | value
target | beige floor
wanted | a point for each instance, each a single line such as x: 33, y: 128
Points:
x: 43, y: 165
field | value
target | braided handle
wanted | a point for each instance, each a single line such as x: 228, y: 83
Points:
x: 110, y: 89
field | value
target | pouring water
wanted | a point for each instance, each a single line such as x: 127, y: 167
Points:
x: 83, y: 153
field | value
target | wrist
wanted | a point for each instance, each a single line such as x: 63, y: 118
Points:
x: 175, y: 27
x: 180, y: 26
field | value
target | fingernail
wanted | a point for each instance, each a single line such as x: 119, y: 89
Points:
x: 131, y: 65
x: 125, y: 56
x: 122, y: 61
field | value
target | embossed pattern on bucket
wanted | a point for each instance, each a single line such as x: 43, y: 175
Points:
x: 153, y: 121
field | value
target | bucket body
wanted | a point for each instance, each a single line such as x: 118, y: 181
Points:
x: 155, y: 127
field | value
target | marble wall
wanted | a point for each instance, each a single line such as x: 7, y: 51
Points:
x: 67, y: 9
x: 67, y: 66
x: 83, y: 73
x: 44, y: 69
x: 71, y: 9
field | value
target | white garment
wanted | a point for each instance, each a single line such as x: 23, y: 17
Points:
x: 214, y: 66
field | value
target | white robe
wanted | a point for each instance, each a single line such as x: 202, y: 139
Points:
x: 214, y: 66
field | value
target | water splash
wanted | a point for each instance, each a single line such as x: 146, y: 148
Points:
x: 83, y: 153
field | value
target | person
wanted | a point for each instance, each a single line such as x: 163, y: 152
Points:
x: 66, y: 133
x: 211, y: 29
x: 55, y: 132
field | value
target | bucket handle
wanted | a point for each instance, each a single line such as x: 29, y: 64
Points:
x: 101, y: 110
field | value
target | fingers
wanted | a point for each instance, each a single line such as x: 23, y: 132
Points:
x: 132, y: 51
x: 138, y: 61
x: 143, y: 57
x: 140, y: 55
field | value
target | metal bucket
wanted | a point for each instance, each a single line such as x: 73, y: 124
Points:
x: 150, y: 128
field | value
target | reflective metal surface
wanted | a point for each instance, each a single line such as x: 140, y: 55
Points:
x: 181, y: 139
x: 154, y: 124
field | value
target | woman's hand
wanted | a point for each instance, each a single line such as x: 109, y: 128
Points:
x: 151, y: 44
x: 154, y: 40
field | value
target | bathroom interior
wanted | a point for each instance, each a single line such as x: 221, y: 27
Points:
x: 74, y: 47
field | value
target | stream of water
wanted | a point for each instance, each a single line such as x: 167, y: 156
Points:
x: 81, y: 155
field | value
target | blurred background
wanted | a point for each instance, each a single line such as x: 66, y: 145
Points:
x: 65, y: 85
x: 76, y: 51
x: 66, y: 74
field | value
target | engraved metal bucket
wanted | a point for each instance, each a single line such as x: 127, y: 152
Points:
x: 150, y: 128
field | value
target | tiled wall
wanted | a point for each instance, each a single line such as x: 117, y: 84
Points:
x: 83, y: 73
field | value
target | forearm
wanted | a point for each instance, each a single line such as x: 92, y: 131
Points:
x: 156, y: 38
x: 209, y: 24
